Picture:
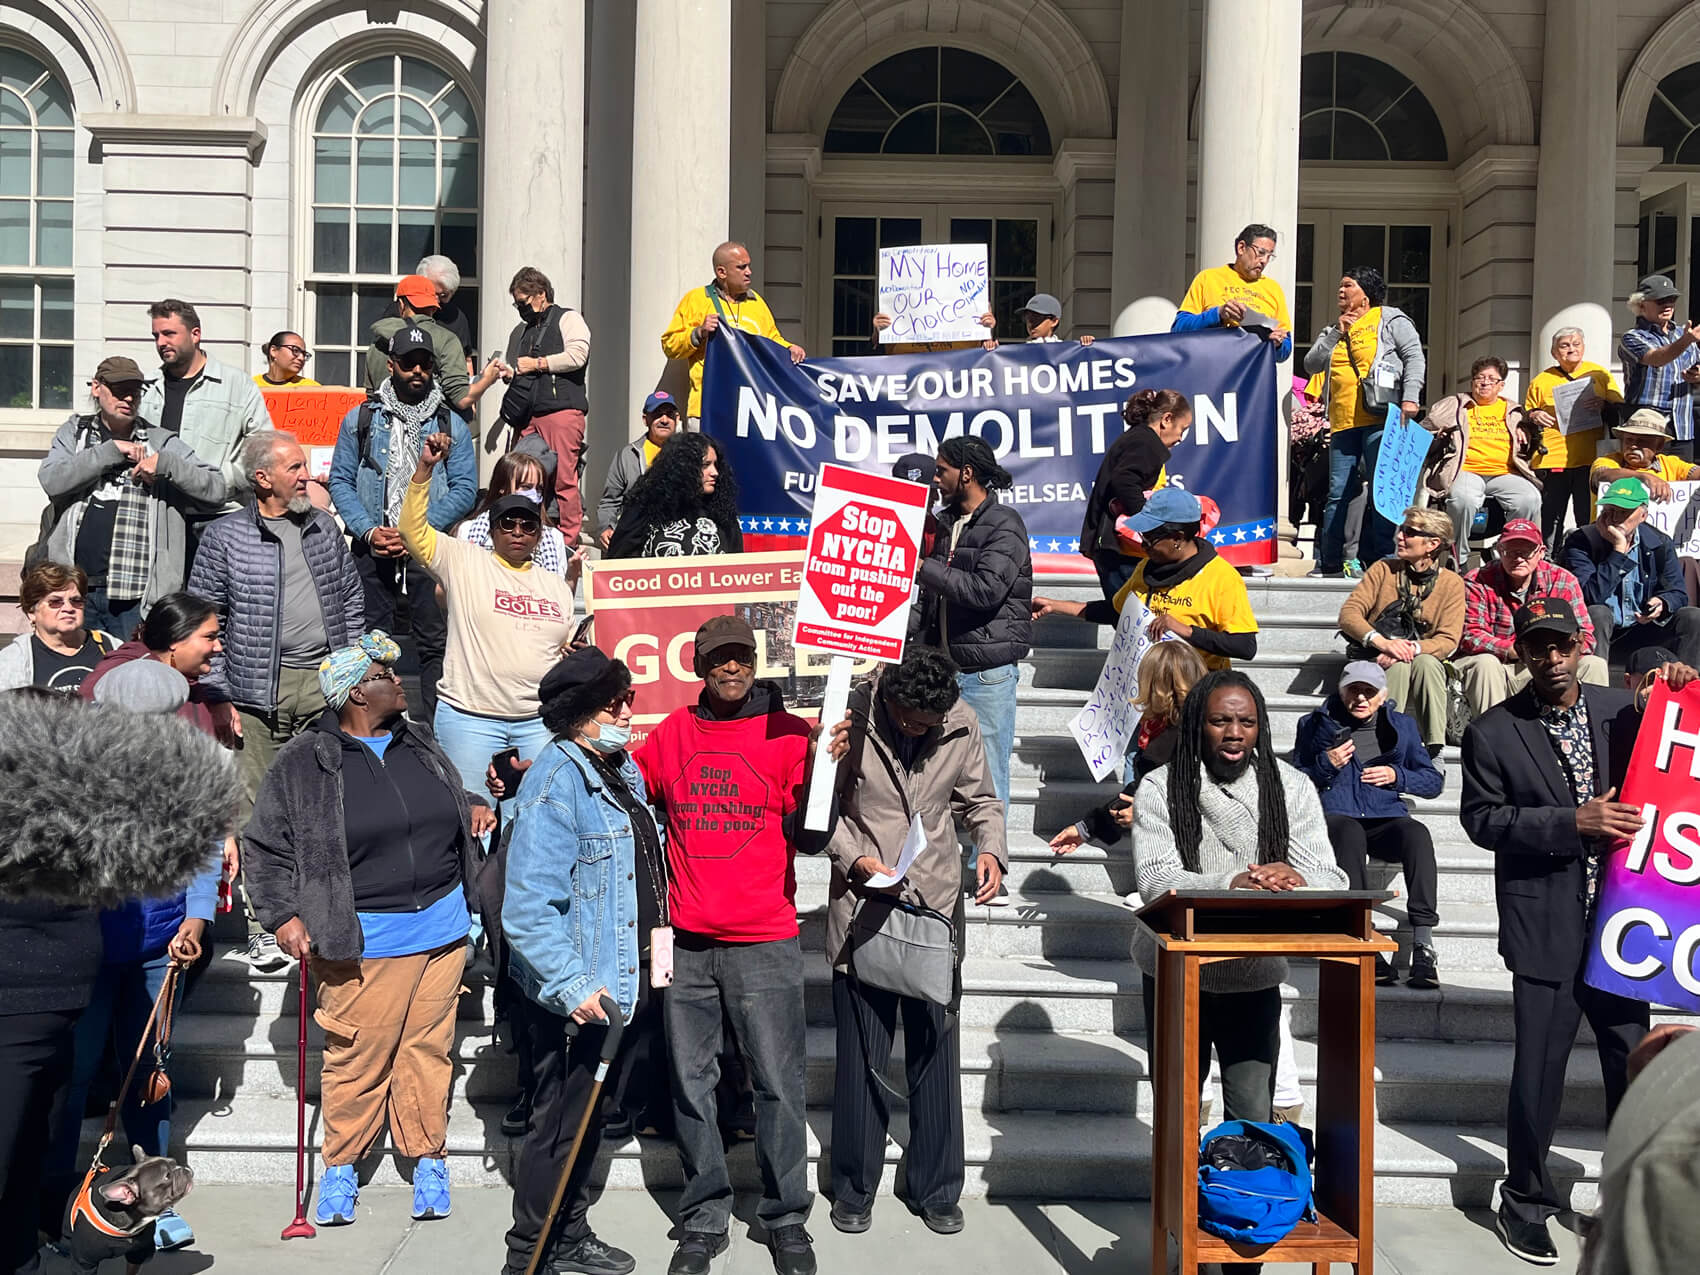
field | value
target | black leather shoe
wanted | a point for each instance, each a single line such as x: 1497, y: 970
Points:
x: 944, y: 1219
x: 850, y: 1221
x: 1385, y: 974
x: 695, y: 1252
x: 793, y: 1251
x: 1527, y: 1240
x: 517, y: 1120
x: 1425, y: 969
x: 590, y: 1256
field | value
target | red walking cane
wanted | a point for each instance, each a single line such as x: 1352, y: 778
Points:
x: 301, y: 1228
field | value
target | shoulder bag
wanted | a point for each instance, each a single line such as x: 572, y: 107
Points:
x: 900, y: 947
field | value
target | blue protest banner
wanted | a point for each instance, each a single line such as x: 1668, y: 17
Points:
x: 1404, y: 447
x: 1048, y: 410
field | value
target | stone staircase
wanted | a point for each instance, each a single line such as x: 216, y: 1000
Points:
x: 1054, y: 1085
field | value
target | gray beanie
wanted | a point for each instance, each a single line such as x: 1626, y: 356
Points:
x: 143, y: 686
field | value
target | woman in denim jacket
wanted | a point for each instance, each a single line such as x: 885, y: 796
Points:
x: 585, y: 899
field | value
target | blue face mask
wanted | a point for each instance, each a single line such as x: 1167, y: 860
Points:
x: 613, y: 737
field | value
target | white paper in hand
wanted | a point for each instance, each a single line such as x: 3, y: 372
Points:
x: 912, y: 846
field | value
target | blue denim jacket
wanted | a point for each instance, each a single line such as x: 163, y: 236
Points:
x: 570, y: 910
x: 357, y: 482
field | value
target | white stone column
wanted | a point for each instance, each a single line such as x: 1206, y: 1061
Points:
x: 1575, y: 183
x: 681, y: 165
x: 1148, y: 272
x: 1248, y: 143
x: 533, y: 139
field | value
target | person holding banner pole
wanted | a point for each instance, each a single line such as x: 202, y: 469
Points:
x: 1373, y: 356
x: 1542, y: 772
x: 1564, y: 458
x: 727, y: 298
x: 1223, y: 296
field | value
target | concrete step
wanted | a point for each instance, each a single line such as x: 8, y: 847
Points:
x: 1275, y: 673
x: 1287, y: 634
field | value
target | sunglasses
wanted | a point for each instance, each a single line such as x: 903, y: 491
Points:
x: 519, y: 522
x: 622, y: 701
x: 1413, y: 533
x: 384, y: 674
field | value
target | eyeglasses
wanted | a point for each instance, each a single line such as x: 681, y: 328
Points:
x: 615, y: 705
x: 297, y: 351
x: 384, y: 674
x: 1262, y: 254
x: 519, y: 522
x: 1487, y: 378
x: 58, y: 603
x: 1412, y: 533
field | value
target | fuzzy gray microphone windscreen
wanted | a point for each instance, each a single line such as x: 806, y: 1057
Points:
x: 99, y: 805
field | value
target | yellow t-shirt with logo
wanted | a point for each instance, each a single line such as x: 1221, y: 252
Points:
x: 1220, y: 284
x: 1489, y: 452
x: 1665, y: 466
x: 1346, y: 408
x: 1215, y: 598
x: 1569, y: 451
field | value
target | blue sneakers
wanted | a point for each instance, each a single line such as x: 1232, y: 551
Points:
x: 171, y: 1231
x: 339, y: 1190
x: 430, y: 1190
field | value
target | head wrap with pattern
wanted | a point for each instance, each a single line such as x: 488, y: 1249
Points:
x: 341, y: 671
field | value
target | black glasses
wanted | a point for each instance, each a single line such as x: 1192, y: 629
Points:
x: 1412, y: 532
x: 297, y: 351
x: 615, y: 705
x: 519, y: 522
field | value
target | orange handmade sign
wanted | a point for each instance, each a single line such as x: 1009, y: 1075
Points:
x: 314, y: 414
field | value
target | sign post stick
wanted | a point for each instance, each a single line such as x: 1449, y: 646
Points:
x: 826, y: 768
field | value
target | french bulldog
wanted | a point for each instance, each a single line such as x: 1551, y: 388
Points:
x: 114, y: 1214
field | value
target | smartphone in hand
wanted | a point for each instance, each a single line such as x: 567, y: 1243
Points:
x: 506, y: 764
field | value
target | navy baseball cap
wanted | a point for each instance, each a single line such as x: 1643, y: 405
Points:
x: 1167, y: 505
x: 410, y: 340
x: 658, y: 400
x: 515, y: 502
x: 915, y: 468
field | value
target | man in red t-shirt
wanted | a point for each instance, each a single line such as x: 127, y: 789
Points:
x: 728, y: 775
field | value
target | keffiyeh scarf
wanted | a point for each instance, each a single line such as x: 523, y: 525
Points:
x: 407, y: 439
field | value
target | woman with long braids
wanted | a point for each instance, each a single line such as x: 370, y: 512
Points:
x: 685, y: 506
x: 1227, y: 814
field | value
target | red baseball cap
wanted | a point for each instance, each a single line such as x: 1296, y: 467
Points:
x: 1522, y: 529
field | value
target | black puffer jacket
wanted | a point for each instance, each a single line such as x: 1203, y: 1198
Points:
x: 983, y: 589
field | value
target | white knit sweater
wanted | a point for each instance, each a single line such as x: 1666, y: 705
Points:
x: 1226, y: 848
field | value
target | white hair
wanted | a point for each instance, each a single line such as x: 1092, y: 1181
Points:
x: 259, y: 451
x: 1564, y: 334
x: 1635, y: 300
x: 440, y: 271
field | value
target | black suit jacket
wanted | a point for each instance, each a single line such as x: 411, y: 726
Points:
x: 1517, y: 804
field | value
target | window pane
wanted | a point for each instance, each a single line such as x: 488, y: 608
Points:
x: 906, y: 79
x: 460, y: 175
x: 1007, y: 300
x: 1017, y: 248
x: 372, y: 78
x: 853, y: 245
x: 1414, y: 302
x: 330, y: 240
x: 458, y: 240
x: 1363, y: 246
x: 1366, y: 85
x: 53, y: 175
x: 1305, y: 267
x: 14, y: 161
x: 1664, y: 240
x: 899, y: 232
x: 56, y: 375
x: 416, y: 119
x: 961, y: 134
x: 53, y: 232
x: 422, y: 78
x: 373, y: 180
x: 1689, y: 152
x: 1017, y: 124
x: 13, y: 110
x: 14, y: 232
x: 1410, y: 258
x: 52, y: 104
x: 858, y: 125
x: 971, y: 230
x: 337, y: 114
x: 969, y: 80
x: 1316, y: 135
x: 1412, y: 130
x: 56, y: 313
x: 416, y: 233
x: 852, y: 307
x: 454, y: 115
x: 17, y: 309
x: 916, y: 134
x: 331, y: 171
x: 372, y: 243
x: 418, y: 178
x: 331, y: 322
x: 331, y: 367
x: 1356, y: 140
x: 378, y: 118
x: 1302, y: 330
x: 371, y: 302
x: 17, y: 376
x: 1357, y: 108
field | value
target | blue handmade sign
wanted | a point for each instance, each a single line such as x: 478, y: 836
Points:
x: 1399, y: 466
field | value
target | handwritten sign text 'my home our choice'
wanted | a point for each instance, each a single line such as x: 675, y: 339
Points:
x: 934, y: 292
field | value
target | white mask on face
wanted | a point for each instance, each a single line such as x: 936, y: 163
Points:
x: 531, y: 494
x: 612, y: 739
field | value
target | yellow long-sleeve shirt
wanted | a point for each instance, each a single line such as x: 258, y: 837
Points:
x: 749, y: 315
x: 506, y: 624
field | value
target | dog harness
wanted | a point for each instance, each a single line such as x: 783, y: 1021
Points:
x: 83, y: 1209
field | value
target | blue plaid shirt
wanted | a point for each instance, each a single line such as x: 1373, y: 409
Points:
x: 1659, y: 387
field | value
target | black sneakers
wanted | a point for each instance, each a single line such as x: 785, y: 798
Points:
x: 1527, y: 1240
x: 793, y: 1251
x: 1385, y: 974
x: 590, y: 1256
x: 696, y: 1251
x: 1425, y: 971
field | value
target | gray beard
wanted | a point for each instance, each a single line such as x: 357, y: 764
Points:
x: 300, y: 505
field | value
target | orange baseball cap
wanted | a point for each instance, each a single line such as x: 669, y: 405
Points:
x: 417, y: 290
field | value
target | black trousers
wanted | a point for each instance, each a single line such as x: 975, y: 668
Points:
x: 1114, y: 570
x: 1546, y: 1016
x: 1245, y: 1028
x: 1563, y: 491
x: 35, y: 1061
x: 401, y: 584
x: 1613, y: 644
x: 1404, y: 841
x: 934, y: 1160
x: 563, y: 1073
x: 640, y: 1083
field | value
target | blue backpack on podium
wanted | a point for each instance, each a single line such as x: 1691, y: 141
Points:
x: 1254, y: 1181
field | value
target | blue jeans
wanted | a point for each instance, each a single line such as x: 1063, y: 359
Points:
x: 117, y: 1012
x: 117, y: 617
x: 471, y: 740
x: 1351, y: 464
x: 991, y: 694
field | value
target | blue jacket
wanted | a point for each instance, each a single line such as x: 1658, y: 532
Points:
x: 1344, y: 791
x: 141, y: 928
x: 570, y: 908
x: 1599, y: 568
x: 357, y: 480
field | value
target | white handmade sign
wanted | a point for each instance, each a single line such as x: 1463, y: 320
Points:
x: 934, y: 292
x: 1678, y: 517
x: 1105, y: 725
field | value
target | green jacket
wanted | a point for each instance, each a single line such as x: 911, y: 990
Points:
x: 449, y: 367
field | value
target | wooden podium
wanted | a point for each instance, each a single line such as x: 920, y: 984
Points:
x: 1195, y: 928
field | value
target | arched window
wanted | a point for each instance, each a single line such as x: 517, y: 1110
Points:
x: 1673, y: 118
x: 395, y: 178
x: 938, y: 101
x: 1359, y: 110
x: 35, y: 234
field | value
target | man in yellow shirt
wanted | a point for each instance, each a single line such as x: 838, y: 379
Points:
x: 1564, y: 467
x: 701, y: 311
x: 1638, y: 456
x: 1222, y: 296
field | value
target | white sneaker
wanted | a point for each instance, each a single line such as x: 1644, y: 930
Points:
x: 264, y: 955
x: 1134, y: 900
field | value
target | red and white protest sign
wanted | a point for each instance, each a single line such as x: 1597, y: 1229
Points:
x: 859, y: 579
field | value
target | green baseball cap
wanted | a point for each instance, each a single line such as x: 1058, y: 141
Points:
x: 1625, y: 493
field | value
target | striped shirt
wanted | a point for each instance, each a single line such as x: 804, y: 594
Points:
x: 1659, y: 387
